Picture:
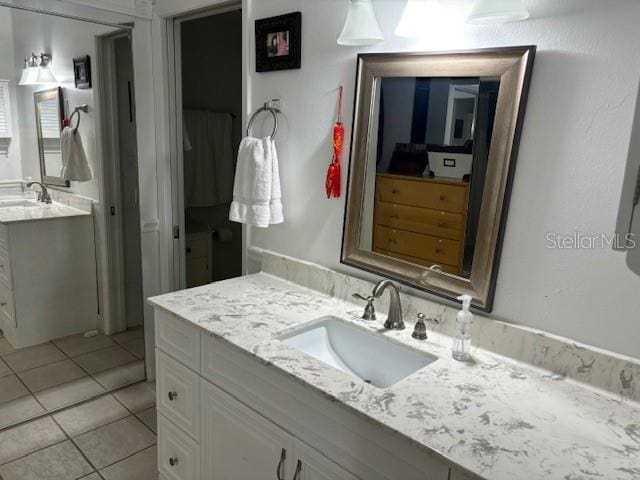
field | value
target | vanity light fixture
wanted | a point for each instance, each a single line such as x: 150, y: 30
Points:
x: 486, y: 12
x: 361, y: 26
x: 37, y: 71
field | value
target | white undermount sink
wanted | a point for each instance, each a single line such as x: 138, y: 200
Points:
x: 365, y: 355
x: 18, y: 203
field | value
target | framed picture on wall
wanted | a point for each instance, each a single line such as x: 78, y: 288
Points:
x: 82, y: 71
x: 279, y: 42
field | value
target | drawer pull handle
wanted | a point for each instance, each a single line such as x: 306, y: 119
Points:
x: 395, y: 191
x: 280, y: 467
x: 173, y: 461
x: 173, y: 396
x: 438, y: 250
x: 3, y: 304
x: 296, y: 476
x: 442, y: 198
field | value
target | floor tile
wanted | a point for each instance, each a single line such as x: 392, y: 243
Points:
x: 32, y: 357
x: 76, y: 345
x: 4, y: 369
x: 26, y: 438
x: 58, y: 462
x: 69, y: 393
x: 115, y: 441
x: 5, y: 346
x: 137, y: 397
x: 150, y: 418
x: 135, y: 347
x: 11, y: 388
x: 51, y: 375
x: 19, y: 410
x: 93, y: 476
x: 90, y: 415
x: 121, y: 376
x: 141, y: 466
x: 137, y: 332
x: 104, y: 359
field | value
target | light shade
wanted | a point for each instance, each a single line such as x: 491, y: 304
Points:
x: 497, y: 11
x: 361, y: 26
x: 44, y: 75
x: 424, y: 18
x: 29, y: 74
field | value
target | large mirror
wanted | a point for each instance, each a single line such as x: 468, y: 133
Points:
x: 434, y: 144
x: 49, y: 116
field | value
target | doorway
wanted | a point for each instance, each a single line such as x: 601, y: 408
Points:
x: 209, y: 103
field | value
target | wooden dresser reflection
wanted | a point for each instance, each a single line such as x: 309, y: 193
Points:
x: 421, y: 220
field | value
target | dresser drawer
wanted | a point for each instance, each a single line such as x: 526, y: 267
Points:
x: 178, y: 339
x: 5, y: 267
x: 178, y: 394
x: 178, y: 455
x: 439, y: 250
x: 421, y: 193
x: 7, y: 306
x: 420, y: 220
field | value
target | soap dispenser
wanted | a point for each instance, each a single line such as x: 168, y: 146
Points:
x: 462, y: 340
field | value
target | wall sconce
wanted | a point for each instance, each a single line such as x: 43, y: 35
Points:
x: 36, y: 70
x: 421, y: 18
x: 497, y: 11
x: 361, y: 26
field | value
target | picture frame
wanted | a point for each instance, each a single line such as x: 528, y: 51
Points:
x: 279, y: 42
x: 82, y: 71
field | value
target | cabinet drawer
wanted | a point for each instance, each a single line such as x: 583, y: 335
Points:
x: 7, y: 307
x: 453, y: 270
x: 178, y: 394
x: 420, y: 193
x: 439, y: 250
x: 178, y: 455
x: 5, y: 267
x: 178, y: 339
x: 420, y: 220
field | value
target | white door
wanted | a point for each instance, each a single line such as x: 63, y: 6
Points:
x: 237, y: 443
x: 312, y: 465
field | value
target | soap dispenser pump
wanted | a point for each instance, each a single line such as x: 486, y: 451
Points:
x: 462, y: 340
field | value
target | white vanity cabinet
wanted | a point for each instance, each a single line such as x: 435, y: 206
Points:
x: 226, y: 416
x: 48, y: 285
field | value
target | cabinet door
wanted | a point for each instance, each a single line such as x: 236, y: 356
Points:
x: 237, y: 443
x: 312, y: 465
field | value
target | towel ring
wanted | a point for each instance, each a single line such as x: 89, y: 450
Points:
x: 265, y: 108
x: 76, y: 111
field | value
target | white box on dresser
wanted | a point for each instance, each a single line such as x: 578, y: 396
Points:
x: 254, y: 422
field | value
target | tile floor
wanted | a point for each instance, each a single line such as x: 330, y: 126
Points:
x: 44, y: 378
x: 112, y: 437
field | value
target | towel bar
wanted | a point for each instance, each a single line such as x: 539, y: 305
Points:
x: 76, y: 111
x: 265, y: 108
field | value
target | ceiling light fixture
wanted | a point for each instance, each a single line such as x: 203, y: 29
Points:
x: 486, y: 12
x: 361, y: 26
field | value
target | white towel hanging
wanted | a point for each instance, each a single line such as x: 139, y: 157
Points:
x: 74, y: 160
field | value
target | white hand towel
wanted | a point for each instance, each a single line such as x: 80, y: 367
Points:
x: 74, y: 161
x: 256, y: 189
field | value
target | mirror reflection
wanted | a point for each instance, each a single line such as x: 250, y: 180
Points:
x: 49, y: 125
x: 427, y: 160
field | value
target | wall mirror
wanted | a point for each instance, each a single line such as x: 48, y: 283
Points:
x: 434, y: 143
x: 49, y: 117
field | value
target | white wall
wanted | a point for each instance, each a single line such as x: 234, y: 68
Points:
x: 570, y: 167
x: 64, y: 39
x: 10, y: 167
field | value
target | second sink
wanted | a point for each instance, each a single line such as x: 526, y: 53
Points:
x: 356, y: 351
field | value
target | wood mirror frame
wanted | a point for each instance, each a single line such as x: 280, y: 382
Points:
x: 38, y: 97
x: 512, y: 65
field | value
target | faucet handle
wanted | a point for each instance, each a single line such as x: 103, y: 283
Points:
x: 420, y: 329
x: 369, y: 310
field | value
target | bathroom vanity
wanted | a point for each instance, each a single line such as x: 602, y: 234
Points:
x: 47, y: 271
x: 242, y: 393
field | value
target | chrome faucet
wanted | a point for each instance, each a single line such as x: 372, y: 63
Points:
x: 394, y: 319
x: 43, y: 195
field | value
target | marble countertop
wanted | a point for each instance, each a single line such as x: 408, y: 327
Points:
x: 495, y: 417
x: 11, y: 212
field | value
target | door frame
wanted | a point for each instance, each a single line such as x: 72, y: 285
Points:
x: 114, y: 312
x: 172, y: 31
